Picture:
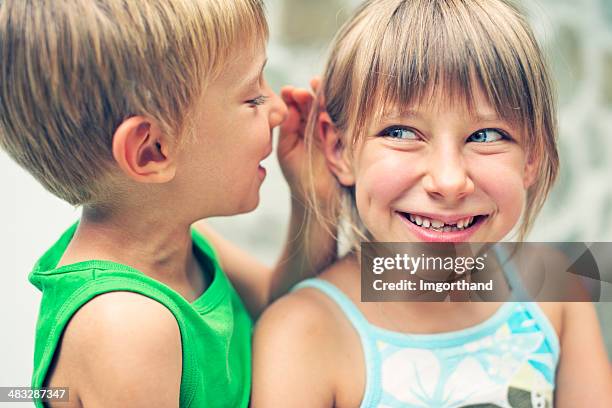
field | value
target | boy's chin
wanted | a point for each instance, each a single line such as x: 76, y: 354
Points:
x: 246, y: 206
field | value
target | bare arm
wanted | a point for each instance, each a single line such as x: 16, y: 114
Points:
x: 120, y: 350
x: 306, y: 251
x: 293, y: 356
x: 309, y: 246
x: 584, y: 378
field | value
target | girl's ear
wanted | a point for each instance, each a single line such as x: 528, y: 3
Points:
x: 334, y: 150
x: 531, y: 172
x: 142, y: 152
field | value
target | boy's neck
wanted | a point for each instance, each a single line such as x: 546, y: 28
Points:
x: 160, y: 250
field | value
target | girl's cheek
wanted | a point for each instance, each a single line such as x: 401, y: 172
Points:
x: 501, y: 178
x: 386, y: 178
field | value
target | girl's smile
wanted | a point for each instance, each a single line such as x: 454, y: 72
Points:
x: 436, y: 228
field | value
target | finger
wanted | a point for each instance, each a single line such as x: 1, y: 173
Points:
x: 303, y: 99
x: 315, y: 82
x: 292, y: 122
x: 287, y: 94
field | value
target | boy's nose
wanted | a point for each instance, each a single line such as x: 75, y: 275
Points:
x: 278, y: 109
x: 447, y: 178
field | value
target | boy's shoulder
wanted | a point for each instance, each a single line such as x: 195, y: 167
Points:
x: 120, y: 341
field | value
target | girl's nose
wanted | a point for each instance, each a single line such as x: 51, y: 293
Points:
x: 447, y: 178
x: 278, y: 109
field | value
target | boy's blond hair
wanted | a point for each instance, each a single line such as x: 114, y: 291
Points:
x: 392, y: 53
x: 72, y: 70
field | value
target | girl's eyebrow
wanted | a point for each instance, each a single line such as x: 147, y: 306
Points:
x: 414, y: 114
x: 486, y: 117
x: 401, y: 114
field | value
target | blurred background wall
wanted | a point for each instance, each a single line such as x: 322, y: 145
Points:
x: 576, y: 35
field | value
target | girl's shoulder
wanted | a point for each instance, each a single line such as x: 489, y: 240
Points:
x: 303, y: 335
x: 554, y: 313
x: 307, y: 307
x: 309, y: 322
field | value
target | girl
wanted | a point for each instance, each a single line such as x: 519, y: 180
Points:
x: 437, y: 119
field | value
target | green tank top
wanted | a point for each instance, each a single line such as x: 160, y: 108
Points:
x: 215, y: 328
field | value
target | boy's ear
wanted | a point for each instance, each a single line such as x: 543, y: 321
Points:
x: 142, y: 151
x: 334, y: 150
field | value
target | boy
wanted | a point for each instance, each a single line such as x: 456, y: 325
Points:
x: 151, y: 116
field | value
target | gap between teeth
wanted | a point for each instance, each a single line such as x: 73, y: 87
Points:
x: 438, y: 225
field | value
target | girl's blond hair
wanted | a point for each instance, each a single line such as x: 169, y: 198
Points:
x: 397, y: 52
x: 72, y: 70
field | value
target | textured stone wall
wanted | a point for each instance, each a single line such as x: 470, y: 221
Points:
x: 577, y: 36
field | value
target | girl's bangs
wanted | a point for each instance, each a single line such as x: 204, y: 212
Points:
x: 462, y: 50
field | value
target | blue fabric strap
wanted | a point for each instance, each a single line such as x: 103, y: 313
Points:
x: 351, y: 311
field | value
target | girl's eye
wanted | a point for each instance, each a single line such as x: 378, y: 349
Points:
x: 260, y: 100
x: 487, y: 136
x: 399, y: 132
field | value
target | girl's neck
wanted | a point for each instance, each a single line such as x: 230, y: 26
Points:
x: 409, y: 317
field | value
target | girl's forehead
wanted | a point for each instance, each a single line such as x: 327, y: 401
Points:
x: 473, y: 104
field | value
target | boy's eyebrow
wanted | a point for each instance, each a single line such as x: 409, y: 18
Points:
x: 251, y: 82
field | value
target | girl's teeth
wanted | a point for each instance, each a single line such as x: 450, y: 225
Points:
x: 437, y: 224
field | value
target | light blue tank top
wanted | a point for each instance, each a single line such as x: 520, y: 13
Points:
x: 509, y: 360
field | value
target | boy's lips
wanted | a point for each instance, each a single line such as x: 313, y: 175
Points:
x: 261, y: 170
x: 430, y: 227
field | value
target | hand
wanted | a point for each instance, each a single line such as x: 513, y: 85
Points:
x: 292, y: 150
